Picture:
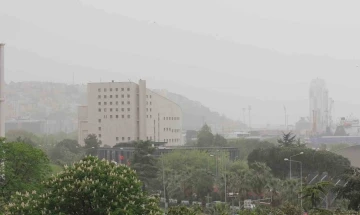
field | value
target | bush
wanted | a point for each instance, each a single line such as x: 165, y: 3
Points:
x: 90, y: 186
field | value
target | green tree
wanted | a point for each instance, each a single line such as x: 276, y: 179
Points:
x: 24, y: 168
x: 90, y: 187
x: 66, y: 152
x: 219, y: 141
x: 92, y: 144
x: 351, y: 189
x: 181, y: 210
x: 287, y: 140
x: 314, y: 193
x: 143, y: 162
x: 205, y: 137
x: 22, y: 136
x: 313, y: 161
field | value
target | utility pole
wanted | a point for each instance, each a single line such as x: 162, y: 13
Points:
x: 285, y: 119
x: 249, y: 117
x: 244, y: 109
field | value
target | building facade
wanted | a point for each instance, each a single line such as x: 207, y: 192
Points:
x: 120, y: 112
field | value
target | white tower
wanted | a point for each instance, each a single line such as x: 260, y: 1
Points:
x: 318, y: 105
x: 2, y: 93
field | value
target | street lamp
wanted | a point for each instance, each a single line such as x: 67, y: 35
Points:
x: 290, y: 160
x: 301, y: 178
x: 163, y: 178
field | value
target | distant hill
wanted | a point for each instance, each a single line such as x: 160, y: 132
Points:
x: 195, y: 115
x: 38, y: 100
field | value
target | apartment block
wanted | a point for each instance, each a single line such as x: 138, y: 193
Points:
x: 120, y: 112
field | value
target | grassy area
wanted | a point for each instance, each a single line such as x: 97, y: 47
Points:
x: 55, y: 168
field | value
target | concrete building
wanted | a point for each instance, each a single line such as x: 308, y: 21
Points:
x: 125, y: 111
x: 318, y: 106
x: 2, y: 92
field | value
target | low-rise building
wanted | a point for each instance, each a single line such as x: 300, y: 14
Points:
x: 125, y: 111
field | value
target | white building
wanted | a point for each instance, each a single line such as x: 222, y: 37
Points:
x: 125, y: 111
x: 318, y: 105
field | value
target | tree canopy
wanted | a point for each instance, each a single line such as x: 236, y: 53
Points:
x: 24, y: 168
x: 91, y: 187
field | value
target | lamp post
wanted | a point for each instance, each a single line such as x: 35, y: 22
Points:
x: 301, y: 178
x: 290, y: 160
x: 163, y: 179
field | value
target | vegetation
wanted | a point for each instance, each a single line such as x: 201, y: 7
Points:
x: 90, y: 186
x: 197, y: 177
x: 24, y: 168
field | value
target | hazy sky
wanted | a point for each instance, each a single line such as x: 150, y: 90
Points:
x: 181, y: 46
x: 321, y: 27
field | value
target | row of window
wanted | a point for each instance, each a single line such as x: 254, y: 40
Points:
x: 171, y: 118
x: 172, y: 140
x: 115, y: 109
x: 147, y: 96
x: 148, y: 109
x: 172, y: 130
x: 115, y: 116
x: 111, y: 89
x: 115, y: 96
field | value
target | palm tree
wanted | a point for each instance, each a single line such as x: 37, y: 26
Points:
x: 314, y: 193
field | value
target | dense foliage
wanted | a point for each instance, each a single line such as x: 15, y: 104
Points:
x: 312, y: 161
x: 24, y: 168
x: 88, y: 187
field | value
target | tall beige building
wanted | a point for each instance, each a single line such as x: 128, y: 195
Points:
x: 125, y: 111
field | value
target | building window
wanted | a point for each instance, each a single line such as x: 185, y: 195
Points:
x: 164, y: 118
x: 122, y: 96
x: 110, y: 116
x: 128, y: 138
x: 123, y: 116
x: 104, y: 96
x: 128, y: 89
x: 105, y: 103
x: 122, y: 89
x: 164, y: 129
x: 99, y: 128
x: 146, y: 109
x: 110, y: 109
x: 110, y: 89
x: 128, y: 102
x: 122, y: 102
x: 110, y: 96
x: 122, y: 109
x: 99, y: 109
x: 150, y: 103
x: 116, y: 96
x: 117, y: 116
x: 116, y: 89
x: 117, y: 109
x: 99, y: 135
x: 123, y: 138
x: 150, y: 96
x: 128, y: 116
x: 117, y: 138
x: 117, y: 103
x: 104, y: 89
x: 150, y: 116
x: 104, y: 109
x: 110, y: 103
x: 150, y: 109
x: 99, y: 90
x: 128, y: 109
x: 99, y: 96
x: 99, y: 103
x: 128, y: 95
x: 99, y: 120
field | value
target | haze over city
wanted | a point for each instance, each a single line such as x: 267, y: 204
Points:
x: 226, y: 55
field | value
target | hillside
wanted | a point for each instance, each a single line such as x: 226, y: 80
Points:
x: 40, y: 100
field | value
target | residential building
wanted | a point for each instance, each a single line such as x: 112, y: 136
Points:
x: 125, y: 111
x: 318, y: 106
